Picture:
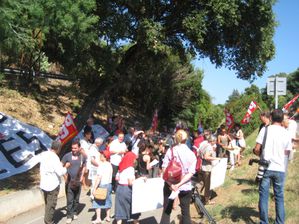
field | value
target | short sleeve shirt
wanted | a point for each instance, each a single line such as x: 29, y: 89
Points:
x: 277, y: 142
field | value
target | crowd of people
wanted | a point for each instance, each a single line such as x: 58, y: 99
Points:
x: 131, y: 153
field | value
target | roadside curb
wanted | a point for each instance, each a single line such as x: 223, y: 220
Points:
x: 18, y: 202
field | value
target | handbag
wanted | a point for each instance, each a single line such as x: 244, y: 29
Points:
x: 100, y: 193
x: 173, y: 172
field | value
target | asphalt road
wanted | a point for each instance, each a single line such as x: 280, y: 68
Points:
x: 86, y: 214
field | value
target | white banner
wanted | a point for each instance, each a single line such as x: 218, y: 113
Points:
x: 20, y: 146
x: 218, y: 173
x: 147, y: 195
x: 98, y: 131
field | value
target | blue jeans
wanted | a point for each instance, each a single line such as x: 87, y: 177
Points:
x: 277, y: 178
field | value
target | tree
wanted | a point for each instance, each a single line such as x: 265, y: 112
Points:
x: 236, y: 34
x: 234, y: 96
x: 63, y: 30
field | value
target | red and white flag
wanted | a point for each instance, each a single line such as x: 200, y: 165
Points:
x: 229, y: 120
x: 68, y: 129
x: 286, y: 107
x: 155, y: 121
x: 252, y: 107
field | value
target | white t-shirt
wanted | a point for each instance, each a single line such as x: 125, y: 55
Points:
x: 277, y: 142
x: 105, y: 171
x: 92, y: 153
x: 117, y: 146
x: 86, y: 145
x: 292, y: 128
x: 50, y: 171
x: 128, y: 173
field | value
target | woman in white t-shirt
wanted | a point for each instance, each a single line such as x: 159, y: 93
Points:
x: 104, y: 179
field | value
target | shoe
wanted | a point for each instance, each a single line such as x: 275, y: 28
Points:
x: 75, y: 217
x: 107, y: 219
x: 68, y: 220
x: 97, y: 221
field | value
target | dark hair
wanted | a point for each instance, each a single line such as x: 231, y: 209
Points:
x: 76, y: 141
x: 87, y: 130
x: 277, y: 115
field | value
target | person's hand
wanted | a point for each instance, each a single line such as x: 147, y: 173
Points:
x: 67, y: 165
x: 174, y: 187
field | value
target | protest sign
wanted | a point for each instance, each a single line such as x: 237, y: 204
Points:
x: 147, y: 195
x: 218, y: 173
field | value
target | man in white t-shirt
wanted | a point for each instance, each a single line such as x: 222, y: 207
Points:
x: 277, y: 145
x: 117, y: 149
x: 51, y: 171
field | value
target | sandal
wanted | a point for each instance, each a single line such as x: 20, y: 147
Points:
x: 96, y: 221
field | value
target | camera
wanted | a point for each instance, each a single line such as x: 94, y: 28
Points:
x: 263, y: 165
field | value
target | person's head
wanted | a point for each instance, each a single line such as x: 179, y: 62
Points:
x: 277, y: 116
x: 211, y: 139
x: 90, y: 121
x: 76, y: 147
x: 105, y: 155
x: 181, y: 136
x: 98, y: 141
x: 285, y: 122
x: 265, y: 117
x: 131, y: 130
x: 223, y: 131
x: 56, y: 146
x: 237, y: 126
x: 87, y: 132
x: 121, y: 137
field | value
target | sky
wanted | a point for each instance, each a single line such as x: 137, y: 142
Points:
x: 220, y: 83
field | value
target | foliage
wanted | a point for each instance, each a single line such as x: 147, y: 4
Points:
x: 236, y: 34
x: 63, y: 30
x: 238, y: 108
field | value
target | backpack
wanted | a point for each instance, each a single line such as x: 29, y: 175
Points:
x: 173, y: 172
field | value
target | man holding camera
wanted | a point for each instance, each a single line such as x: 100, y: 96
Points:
x: 277, y: 144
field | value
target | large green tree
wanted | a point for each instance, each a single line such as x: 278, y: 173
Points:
x: 233, y: 33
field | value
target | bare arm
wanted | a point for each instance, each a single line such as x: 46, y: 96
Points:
x: 257, y: 149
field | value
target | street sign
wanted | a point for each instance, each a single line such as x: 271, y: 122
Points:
x: 278, y: 84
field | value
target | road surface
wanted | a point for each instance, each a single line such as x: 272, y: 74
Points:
x: 86, y: 214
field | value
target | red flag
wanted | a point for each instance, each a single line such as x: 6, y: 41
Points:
x: 155, y: 121
x: 68, y: 129
x: 229, y: 120
x: 252, y: 107
x: 286, y: 107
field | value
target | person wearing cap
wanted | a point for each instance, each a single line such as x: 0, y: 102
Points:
x: 103, y: 180
x: 51, y: 171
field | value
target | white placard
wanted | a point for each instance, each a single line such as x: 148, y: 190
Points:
x: 147, y: 195
x: 20, y: 146
x: 218, y: 173
x: 154, y: 162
